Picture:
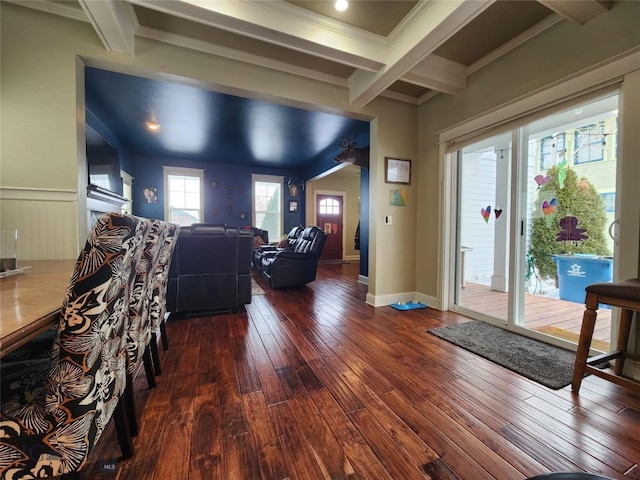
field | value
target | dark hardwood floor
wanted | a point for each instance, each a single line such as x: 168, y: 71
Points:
x: 313, y: 383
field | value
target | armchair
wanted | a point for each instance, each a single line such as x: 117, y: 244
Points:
x: 292, y: 237
x: 296, y: 267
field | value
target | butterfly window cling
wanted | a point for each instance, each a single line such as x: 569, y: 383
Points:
x: 569, y: 231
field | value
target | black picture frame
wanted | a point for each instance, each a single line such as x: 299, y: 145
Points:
x: 397, y: 170
x: 293, y: 206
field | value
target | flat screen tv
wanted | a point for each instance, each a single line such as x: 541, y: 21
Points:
x: 103, y: 161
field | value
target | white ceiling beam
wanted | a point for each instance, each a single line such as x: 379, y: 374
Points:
x: 438, y: 73
x: 55, y: 8
x: 578, y: 11
x: 408, y: 45
x: 283, y: 24
x: 115, y: 22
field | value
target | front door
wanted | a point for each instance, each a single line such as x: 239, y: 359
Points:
x: 329, y: 215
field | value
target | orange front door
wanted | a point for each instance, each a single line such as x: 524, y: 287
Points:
x: 329, y: 208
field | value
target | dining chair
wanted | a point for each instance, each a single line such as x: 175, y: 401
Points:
x: 157, y: 307
x: 54, y: 410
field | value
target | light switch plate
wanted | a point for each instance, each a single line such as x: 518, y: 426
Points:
x: 387, y: 220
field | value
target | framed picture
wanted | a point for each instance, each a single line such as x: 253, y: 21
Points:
x: 150, y: 194
x: 293, y: 206
x: 397, y: 170
x: 398, y: 198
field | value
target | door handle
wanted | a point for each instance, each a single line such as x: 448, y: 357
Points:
x: 614, y: 234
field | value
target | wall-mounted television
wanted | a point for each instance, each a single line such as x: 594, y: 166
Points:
x: 103, y: 162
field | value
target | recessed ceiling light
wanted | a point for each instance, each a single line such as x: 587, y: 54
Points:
x: 341, y: 5
x: 153, y: 126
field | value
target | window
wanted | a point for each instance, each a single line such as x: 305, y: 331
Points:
x: 184, y: 197
x: 267, y: 204
x: 551, y: 151
x: 609, y: 201
x: 127, y: 192
x: 329, y: 206
x: 589, y: 143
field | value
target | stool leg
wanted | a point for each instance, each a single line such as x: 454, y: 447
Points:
x: 623, y: 338
x: 584, y: 344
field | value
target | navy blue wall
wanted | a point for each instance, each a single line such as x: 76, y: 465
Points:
x: 364, y: 222
x: 225, y: 186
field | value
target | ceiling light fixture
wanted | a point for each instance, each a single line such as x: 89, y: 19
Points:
x: 341, y: 5
x: 153, y: 126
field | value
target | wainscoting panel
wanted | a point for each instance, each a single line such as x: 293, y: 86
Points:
x: 47, y: 222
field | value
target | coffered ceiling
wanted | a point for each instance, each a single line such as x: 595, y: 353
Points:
x: 409, y: 50
x: 406, y: 50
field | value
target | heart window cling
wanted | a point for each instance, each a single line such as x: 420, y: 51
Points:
x: 486, y: 213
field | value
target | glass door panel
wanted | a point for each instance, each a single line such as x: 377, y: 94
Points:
x: 570, y: 168
x: 484, y: 186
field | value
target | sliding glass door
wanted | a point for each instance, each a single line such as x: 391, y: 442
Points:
x: 536, y: 211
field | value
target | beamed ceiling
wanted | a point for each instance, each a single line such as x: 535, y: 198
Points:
x: 406, y: 50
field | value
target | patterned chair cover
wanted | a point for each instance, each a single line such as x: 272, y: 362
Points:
x: 139, y: 331
x: 55, y: 410
x: 159, y: 293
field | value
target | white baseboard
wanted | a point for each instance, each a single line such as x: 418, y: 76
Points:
x: 363, y: 279
x: 383, y: 300
x: 352, y: 258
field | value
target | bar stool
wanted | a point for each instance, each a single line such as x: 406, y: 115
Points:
x: 569, y: 476
x: 626, y: 295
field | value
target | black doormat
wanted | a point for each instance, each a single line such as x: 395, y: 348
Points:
x: 546, y: 364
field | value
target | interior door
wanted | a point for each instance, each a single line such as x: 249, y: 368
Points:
x: 330, y: 219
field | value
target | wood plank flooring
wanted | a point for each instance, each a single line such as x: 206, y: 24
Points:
x: 312, y: 383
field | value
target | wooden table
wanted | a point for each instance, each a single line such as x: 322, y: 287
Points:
x: 30, y: 301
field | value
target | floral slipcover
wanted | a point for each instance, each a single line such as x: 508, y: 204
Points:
x: 53, y: 411
x: 161, y: 277
x: 139, y: 328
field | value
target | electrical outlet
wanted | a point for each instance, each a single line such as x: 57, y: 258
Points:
x: 387, y: 220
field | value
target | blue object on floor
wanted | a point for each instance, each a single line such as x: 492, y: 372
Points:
x: 408, y: 305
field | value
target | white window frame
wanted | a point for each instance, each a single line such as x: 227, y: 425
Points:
x: 183, y: 171
x: 127, y: 192
x: 255, y: 177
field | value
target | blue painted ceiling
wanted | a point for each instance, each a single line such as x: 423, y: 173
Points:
x: 199, y: 124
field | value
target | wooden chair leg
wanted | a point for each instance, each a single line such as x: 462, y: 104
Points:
x: 70, y: 476
x: 148, y: 368
x: 130, y: 406
x: 626, y: 316
x: 163, y: 332
x: 122, y: 430
x: 584, y: 344
x: 155, y: 355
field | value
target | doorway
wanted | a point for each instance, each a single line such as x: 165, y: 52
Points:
x: 330, y: 217
x: 536, y: 215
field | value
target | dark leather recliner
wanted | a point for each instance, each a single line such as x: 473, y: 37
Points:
x: 292, y: 237
x: 210, y: 269
x: 297, y: 267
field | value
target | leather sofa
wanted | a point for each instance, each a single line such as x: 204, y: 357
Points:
x: 210, y: 269
x: 296, y: 267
